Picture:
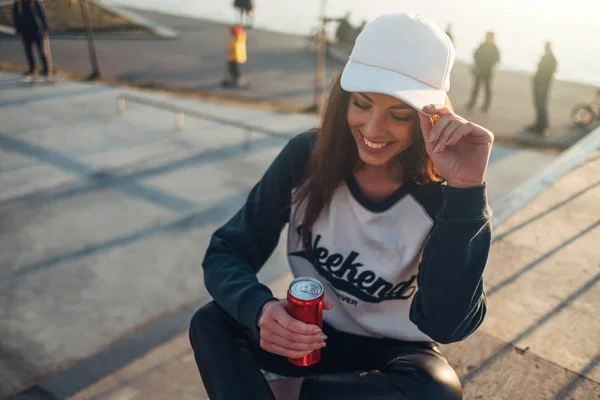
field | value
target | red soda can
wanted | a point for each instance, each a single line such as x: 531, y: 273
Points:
x: 305, y: 303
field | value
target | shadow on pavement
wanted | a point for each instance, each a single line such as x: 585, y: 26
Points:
x: 541, y: 321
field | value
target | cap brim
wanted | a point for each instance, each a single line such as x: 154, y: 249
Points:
x: 359, y: 77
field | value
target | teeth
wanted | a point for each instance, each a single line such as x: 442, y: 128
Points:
x: 374, y: 145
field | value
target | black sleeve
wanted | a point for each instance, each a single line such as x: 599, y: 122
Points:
x: 238, y: 250
x: 450, y: 302
x: 41, y: 12
x: 16, y: 18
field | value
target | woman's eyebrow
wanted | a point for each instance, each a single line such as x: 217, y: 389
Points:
x: 366, y: 97
x: 401, y: 107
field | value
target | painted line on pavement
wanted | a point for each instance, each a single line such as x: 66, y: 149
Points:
x: 76, y: 91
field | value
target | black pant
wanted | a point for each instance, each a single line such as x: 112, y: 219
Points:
x: 486, y: 79
x: 234, y: 71
x: 230, y: 360
x: 28, y: 42
x: 540, y: 96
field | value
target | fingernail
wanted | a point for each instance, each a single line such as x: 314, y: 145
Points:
x: 437, y: 148
x: 316, y: 331
x: 431, y: 137
x: 429, y: 107
x: 322, y: 344
x: 323, y: 336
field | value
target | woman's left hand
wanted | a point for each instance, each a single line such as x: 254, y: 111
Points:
x: 458, y: 148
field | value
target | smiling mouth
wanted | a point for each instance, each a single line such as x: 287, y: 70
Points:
x: 374, y: 145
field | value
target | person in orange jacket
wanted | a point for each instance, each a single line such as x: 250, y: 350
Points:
x: 236, y: 55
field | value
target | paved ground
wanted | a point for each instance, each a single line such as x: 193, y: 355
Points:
x: 539, y: 340
x: 281, y: 69
x: 104, y: 220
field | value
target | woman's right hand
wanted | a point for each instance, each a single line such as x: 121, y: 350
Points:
x: 282, y: 334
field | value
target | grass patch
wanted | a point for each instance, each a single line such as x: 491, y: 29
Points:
x: 64, y: 16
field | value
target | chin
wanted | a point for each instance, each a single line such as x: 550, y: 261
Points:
x: 373, y: 161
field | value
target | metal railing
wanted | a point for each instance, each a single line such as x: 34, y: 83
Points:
x: 180, y: 113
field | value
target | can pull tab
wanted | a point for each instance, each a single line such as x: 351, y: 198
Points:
x: 310, y: 289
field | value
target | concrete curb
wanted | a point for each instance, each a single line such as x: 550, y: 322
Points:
x: 527, y: 139
x: 6, y: 29
x: 567, y: 161
x: 160, y: 31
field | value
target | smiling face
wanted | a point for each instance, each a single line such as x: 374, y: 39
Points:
x: 381, y: 125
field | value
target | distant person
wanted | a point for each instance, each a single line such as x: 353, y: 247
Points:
x: 344, y: 32
x: 542, y: 81
x: 358, y: 30
x: 31, y: 25
x: 246, y: 10
x: 486, y: 58
x: 449, y: 32
x: 236, y: 56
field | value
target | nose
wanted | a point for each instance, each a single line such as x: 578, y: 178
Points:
x: 374, y: 126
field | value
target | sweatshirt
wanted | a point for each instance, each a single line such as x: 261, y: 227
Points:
x: 408, y: 268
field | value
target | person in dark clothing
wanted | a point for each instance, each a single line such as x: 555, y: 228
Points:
x: 246, y: 10
x: 344, y: 31
x: 542, y: 81
x: 386, y: 207
x: 486, y: 57
x: 31, y: 24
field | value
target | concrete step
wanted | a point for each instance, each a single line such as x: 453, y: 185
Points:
x: 104, y: 218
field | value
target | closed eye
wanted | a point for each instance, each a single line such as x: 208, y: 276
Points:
x: 360, y: 105
x: 402, y: 119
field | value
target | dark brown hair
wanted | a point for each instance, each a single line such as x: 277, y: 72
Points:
x: 335, y: 157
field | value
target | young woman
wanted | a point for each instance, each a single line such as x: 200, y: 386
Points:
x: 387, y: 210
x: 31, y: 25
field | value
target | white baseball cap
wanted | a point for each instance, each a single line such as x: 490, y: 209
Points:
x: 402, y: 55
